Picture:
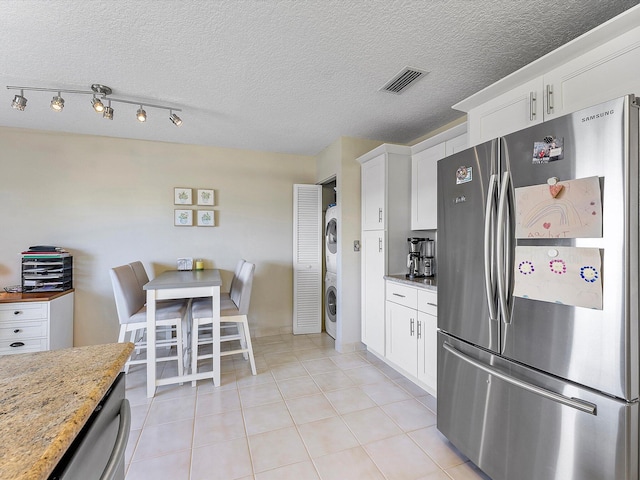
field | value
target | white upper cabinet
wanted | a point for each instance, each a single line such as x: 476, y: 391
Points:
x: 373, y: 193
x: 424, y: 169
x: 602, y: 64
x: 608, y: 71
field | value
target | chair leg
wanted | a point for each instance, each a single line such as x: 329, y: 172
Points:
x: 194, y: 349
x: 243, y: 340
x: 179, y: 348
x: 121, y: 338
x: 247, y: 336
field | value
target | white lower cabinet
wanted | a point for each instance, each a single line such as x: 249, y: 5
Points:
x: 373, y: 268
x: 36, y: 326
x: 411, y: 324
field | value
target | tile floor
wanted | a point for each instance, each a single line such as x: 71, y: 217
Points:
x: 311, y: 413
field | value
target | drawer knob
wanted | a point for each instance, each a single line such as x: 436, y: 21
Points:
x: 17, y: 330
x: 17, y: 344
x: 17, y: 312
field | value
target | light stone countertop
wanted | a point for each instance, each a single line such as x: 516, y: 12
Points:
x: 427, y: 283
x: 45, y: 400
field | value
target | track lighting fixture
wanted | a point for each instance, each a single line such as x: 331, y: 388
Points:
x: 57, y: 104
x: 108, y: 112
x: 19, y: 102
x: 97, y: 104
x: 175, y: 119
x: 141, y: 114
x: 100, y: 93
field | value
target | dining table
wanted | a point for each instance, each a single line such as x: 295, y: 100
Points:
x: 182, y: 284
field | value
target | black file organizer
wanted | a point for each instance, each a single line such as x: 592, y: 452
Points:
x: 41, y: 274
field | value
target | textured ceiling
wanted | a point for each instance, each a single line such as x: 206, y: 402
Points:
x: 280, y: 76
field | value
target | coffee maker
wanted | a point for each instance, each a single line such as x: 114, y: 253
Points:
x: 414, y: 257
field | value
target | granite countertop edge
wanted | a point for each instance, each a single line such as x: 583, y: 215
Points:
x: 426, y: 283
x: 41, y: 413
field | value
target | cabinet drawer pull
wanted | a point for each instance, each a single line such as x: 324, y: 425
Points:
x: 17, y: 312
x: 398, y: 295
x: 17, y: 330
x: 432, y: 304
x: 17, y: 344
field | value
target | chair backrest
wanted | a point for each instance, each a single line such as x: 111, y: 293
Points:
x: 129, y: 296
x: 140, y: 272
x: 236, y: 273
x: 241, y: 294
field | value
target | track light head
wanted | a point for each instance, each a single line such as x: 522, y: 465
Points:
x: 175, y: 119
x: 108, y: 112
x: 97, y: 105
x: 141, y: 114
x: 57, y: 103
x: 19, y: 102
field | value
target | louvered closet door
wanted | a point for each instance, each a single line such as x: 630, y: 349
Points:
x: 307, y: 259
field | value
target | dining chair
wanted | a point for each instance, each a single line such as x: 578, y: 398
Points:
x: 132, y: 315
x: 232, y: 311
x: 236, y: 273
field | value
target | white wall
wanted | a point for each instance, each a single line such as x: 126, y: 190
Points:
x: 110, y: 201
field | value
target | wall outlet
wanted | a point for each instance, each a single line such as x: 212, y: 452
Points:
x: 356, y: 245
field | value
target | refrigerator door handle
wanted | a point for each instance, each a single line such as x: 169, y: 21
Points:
x: 543, y: 392
x: 501, y: 248
x: 489, y: 282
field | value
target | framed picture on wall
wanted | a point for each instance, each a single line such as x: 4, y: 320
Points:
x: 183, y: 218
x: 206, y: 218
x: 206, y: 197
x: 182, y: 196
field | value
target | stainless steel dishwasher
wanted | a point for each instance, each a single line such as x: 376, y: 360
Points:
x: 98, y: 451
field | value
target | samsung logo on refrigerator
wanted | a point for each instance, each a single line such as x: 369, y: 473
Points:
x: 597, y: 115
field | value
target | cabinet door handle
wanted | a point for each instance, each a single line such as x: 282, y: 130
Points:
x: 380, y: 215
x: 17, y: 330
x: 411, y: 326
x: 17, y: 344
x: 398, y: 295
x: 380, y: 244
x: 549, y: 99
x: 419, y: 329
x: 532, y: 106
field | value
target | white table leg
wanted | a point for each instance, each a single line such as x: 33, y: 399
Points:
x: 215, y: 327
x: 151, y: 343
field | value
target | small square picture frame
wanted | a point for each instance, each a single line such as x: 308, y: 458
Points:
x: 206, y: 218
x: 206, y: 196
x: 183, y: 218
x: 182, y: 196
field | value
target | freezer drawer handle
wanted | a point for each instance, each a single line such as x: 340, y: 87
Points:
x: 570, y: 402
x: 120, y: 445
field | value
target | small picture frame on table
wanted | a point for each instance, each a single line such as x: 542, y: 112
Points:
x: 183, y: 218
x: 182, y: 196
x: 206, y: 218
x: 205, y: 196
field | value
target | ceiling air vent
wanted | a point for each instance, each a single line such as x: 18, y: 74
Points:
x: 403, y: 80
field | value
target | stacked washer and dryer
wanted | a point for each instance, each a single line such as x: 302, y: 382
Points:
x: 330, y: 279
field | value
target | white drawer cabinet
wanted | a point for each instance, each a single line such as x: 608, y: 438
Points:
x: 36, y: 324
x: 411, y: 328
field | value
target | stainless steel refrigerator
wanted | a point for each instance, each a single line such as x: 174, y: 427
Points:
x: 538, y: 363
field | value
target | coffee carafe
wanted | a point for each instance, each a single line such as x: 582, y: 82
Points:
x: 430, y: 259
x: 414, y: 257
